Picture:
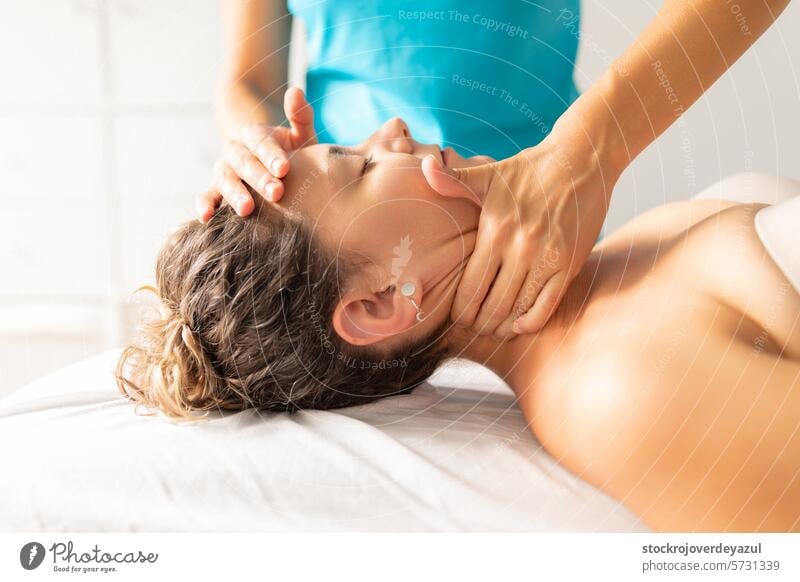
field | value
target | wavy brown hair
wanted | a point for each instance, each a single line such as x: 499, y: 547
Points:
x: 245, y: 322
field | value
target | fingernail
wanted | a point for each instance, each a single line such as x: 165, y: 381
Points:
x: 275, y: 165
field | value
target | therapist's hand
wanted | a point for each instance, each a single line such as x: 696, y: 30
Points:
x: 542, y: 211
x: 258, y: 157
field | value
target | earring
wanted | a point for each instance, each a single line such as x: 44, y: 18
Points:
x: 408, y: 289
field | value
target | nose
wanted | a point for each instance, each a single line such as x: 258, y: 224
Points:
x: 396, y: 136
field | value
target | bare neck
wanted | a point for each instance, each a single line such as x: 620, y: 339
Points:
x: 517, y: 360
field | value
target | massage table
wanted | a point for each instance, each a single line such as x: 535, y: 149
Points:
x: 454, y: 455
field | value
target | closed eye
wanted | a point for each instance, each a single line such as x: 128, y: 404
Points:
x: 368, y: 165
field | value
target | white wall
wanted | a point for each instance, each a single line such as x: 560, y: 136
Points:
x: 107, y: 133
x: 748, y: 120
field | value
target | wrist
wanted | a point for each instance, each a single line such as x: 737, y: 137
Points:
x: 586, y: 161
x: 240, y: 104
x: 591, y: 128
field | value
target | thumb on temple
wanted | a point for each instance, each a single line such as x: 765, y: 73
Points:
x: 300, y: 115
x: 471, y: 183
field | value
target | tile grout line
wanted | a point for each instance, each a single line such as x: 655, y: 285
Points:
x: 118, y: 109
x: 112, y: 331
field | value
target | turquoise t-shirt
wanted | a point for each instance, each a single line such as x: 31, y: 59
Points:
x: 483, y: 77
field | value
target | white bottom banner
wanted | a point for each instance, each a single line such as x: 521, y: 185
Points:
x: 238, y: 557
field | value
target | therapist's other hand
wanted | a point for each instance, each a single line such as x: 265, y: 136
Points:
x: 258, y: 157
x: 542, y: 211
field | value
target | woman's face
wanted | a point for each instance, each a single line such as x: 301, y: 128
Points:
x: 373, y: 200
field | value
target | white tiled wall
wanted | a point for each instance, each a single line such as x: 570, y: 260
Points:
x: 51, y: 50
x: 164, y: 52
x: 53, y: 206
x: 107, y: 133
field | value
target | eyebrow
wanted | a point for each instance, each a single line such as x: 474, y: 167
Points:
x: 334, y: 152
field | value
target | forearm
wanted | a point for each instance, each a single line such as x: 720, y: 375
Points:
x: 255, y: 70
x: 240, y: 103
x: 681, y: 53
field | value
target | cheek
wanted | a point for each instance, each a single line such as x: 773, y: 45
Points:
x: 379, y: 227
x: 390, y: 213
x: 444, y: 213
x: 401, y: 228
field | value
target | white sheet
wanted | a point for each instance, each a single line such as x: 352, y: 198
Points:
x: 775, y: 225
x: 777, y: 228
x: 76, y: 458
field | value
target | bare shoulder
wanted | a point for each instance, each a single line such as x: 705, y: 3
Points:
x: 613, y: 403
x: 682, y: 434
x: 724, y: 256
x: 664, y: 222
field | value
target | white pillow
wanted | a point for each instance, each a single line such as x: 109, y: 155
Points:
x: 76, y: 458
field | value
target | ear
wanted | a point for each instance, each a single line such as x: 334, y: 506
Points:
x: 363, y: 317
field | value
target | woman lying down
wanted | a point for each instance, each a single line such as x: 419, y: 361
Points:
x: 669, y: 377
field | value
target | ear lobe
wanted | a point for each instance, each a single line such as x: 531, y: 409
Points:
x: 363, y: 318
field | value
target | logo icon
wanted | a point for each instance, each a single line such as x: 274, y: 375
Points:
x: 31, y: 555
x: 401, y: 254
